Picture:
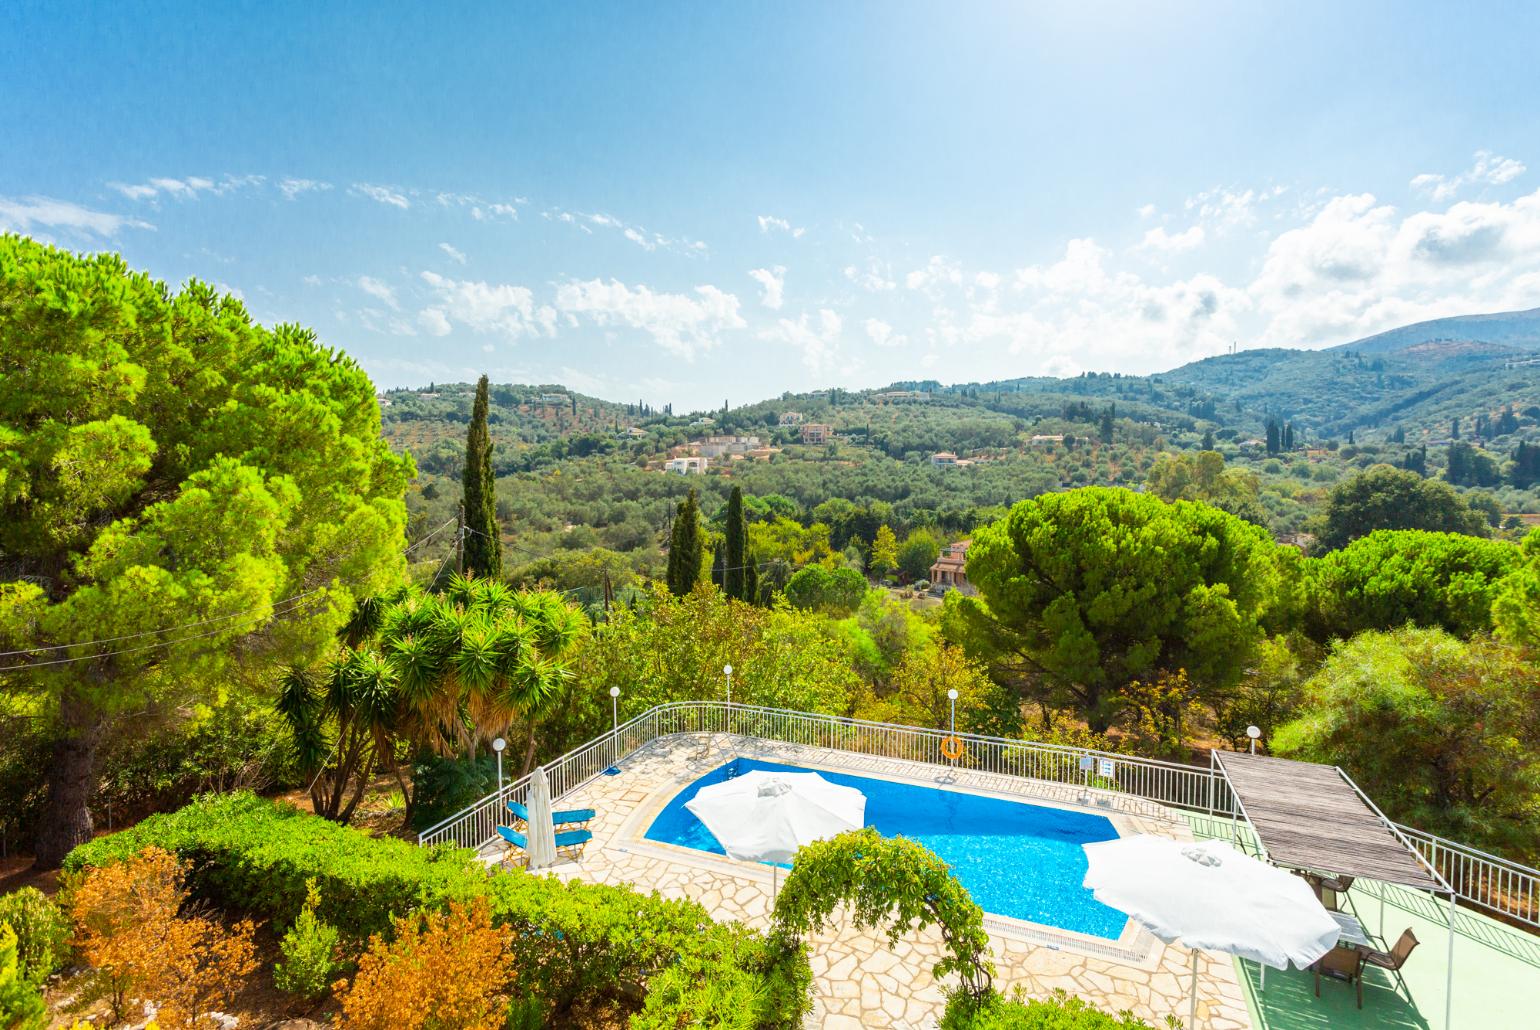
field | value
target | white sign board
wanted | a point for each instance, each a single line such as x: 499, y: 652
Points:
x: 1107, y: 769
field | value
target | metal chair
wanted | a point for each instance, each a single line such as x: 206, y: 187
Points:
x: 1392, y: 960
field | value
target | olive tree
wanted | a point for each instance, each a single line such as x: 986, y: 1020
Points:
x: 185, y: 496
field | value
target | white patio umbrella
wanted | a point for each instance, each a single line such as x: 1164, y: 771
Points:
x: 1212, y: 897
x: 765, y: 816
x: 541, y: 832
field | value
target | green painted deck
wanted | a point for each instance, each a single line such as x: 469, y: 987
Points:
x: 1496, y: 970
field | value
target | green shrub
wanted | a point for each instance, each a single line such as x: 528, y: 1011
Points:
x: 310, y: 952
x: 442, y: 787
x: 572, y: 941
x: 1058, y: 1012
x: 253, y: 855
x: 42, y: 932
x: 21, y: 1007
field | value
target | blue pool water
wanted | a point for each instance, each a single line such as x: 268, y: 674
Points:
x: 1017, y: 860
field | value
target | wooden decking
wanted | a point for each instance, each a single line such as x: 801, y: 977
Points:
x: 1309, y: 816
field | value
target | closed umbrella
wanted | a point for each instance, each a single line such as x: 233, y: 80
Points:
x: 1212, y: 897
x: 541, y: 832
x: 765, y: 816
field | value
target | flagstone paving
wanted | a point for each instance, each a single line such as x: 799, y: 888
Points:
x: 859, y: 981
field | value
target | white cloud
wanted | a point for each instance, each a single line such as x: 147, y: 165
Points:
x: 875, y: 277
x: 1161, y: 241
x: 882, y: 334
x: 771, y: 222
x: 378, y: 290
x: 818, y: 341
x: 23, y: 214
x: 1147, y: 211
x: 1360, y: 267
x: 434, y: 322
x: 483, y: 307
x: 292, y: 188
x: 639, y: 235
x: 682, y: 324
x: 1488, y: 169
x: 772, y: 282
x: 186, y: 188
x: 938, y: 272
x: 139, y: 192
x: 454, y: 253
x: 383, y: 195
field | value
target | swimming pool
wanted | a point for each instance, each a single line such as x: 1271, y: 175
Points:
x: 1018, y: 860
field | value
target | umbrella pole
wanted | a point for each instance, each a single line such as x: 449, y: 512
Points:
x: 1192, y: 1006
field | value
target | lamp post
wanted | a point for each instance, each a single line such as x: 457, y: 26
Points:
x: 951, y: 696
x: 614, y: 769
x: 498, y: 745
x: 1253, y: 732
x: 727, y: 670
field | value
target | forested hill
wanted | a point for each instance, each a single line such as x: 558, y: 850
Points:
x: 1409, y: 384
x: 1413, y: 381
x: 1518, y: 329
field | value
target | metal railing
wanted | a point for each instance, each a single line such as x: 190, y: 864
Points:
x: 1481, y: 880
x: 1170, y: 784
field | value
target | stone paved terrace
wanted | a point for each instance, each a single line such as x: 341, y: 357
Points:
x: 858, y: 980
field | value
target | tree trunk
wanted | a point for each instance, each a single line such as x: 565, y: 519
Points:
x: 71, y: 781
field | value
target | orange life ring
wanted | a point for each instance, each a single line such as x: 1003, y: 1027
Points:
x: 952, y: 749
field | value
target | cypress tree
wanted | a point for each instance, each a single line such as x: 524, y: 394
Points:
x: 684, y: 552
x: 483, y: 539
x: 736, y: 559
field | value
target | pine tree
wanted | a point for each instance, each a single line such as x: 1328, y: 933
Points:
x: 1288, y: 437
x: 735, y: 582
x: 684, y: 552
x: 1273, y: 437
x: 483, y: 538
x: 1208, y: 439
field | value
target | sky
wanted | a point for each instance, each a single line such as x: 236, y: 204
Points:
x: 704, y: 203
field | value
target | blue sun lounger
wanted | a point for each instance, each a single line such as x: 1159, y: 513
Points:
x: 567, y: 818
x: 513, y: 839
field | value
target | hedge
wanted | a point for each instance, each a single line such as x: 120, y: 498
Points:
x: 666, y: 960
x: 1059, y: 1011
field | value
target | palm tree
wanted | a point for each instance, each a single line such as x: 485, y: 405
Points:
x: 479, y: 658
x: 447, y: 671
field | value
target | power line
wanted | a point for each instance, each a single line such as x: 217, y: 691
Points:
x: 145, y: 647
x: 271, y: 609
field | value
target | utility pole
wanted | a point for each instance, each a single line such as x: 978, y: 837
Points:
x: 460, y: 541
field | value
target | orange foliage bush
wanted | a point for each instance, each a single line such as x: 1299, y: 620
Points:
x: 129, y: 925
x: 446, y: 970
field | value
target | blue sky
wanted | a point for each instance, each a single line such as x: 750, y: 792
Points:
x: 691, y: 203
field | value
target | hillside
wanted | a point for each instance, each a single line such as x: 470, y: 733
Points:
x: 1517, y: 329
